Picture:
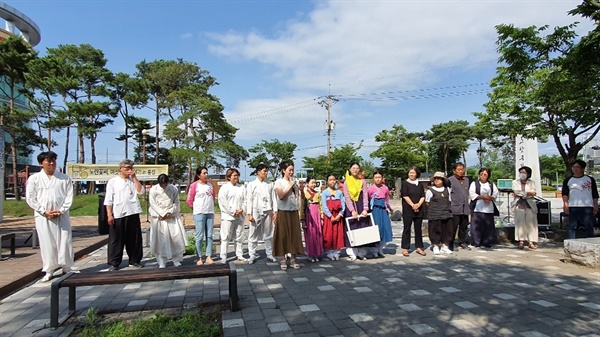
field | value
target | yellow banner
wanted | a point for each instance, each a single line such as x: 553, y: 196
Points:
x: 103, y: 172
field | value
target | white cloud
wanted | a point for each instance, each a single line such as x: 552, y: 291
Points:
x: 186, y: 36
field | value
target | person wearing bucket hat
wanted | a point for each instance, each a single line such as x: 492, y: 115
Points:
x: 439, y: 215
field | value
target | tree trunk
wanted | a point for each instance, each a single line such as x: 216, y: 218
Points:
x: 157, y: 131
x: 126, y: 117
x: 68, y: 136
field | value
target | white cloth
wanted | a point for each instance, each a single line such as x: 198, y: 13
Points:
x: 290, y: 202
x: 580, y: 192
x: 231, y: 199
x: 261, y: 229
x: 52, y: 193
x: 122, y: 195
x: 485, y: 189
x: 429, y: 194
x: 203, y: 198
x: 519, y: 193
x: 260, y: 198
x: 232, y: 230
x: 167, y: 237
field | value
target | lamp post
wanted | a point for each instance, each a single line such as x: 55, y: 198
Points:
x: 144, y: 135
x: 329, y: 127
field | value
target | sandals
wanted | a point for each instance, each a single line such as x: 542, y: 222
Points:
x: 421, y: 252
x: 405, y: 253
x: 293, y: 264
x: 521, y: 245
x: 532, y: 246
x: 283, y: 264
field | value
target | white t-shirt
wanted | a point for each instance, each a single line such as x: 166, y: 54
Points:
x: 429, y: 195
x: 485, y: 189
x: 202, y: 197
x: 581, y: 191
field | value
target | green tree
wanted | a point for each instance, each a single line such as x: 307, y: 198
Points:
x: 15, y: 54
x: 399, y: 151
x: 340, y: 160
x: 547, y: 86
x: 448, y: 143
x: 271, y: 153
x: 550, y: 166
x: 127, y: 92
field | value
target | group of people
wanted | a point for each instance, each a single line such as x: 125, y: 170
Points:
x: 277, y: 211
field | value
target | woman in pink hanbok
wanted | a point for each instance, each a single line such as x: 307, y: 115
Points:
x: 313, y: 228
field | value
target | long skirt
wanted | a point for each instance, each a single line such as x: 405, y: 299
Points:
x: 167, y: 238
x: 333, y: 232
x: 313, y: 234
x: 382, y: 219
x: 358, y: 223
x: 288, y: 237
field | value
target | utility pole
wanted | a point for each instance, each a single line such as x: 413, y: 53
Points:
x: 327, y: 102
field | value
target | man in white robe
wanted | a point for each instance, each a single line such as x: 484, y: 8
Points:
x: 50, y: 195
x: 261, y: 209
x: 231, y: 204
x: 167, y: 235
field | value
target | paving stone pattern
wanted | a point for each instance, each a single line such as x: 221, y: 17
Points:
x: 498, y: 292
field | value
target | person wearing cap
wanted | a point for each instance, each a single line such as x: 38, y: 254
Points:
x: 483, y: 193
x: 439, y: 215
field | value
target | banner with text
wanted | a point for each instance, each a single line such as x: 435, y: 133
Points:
x: 103, y: 172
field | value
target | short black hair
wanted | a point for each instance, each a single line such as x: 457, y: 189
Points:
x: 456, y: 165
x: 46, y: 155
x: 261, y: 167
x: 414, y: 168
x: 163, y: 179
x: 581, y: 163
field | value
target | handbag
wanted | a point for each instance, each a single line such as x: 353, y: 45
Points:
x: 362, y: 236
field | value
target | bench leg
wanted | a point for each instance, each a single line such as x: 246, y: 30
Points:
x: 72, y: 299
x: 12, y: 246
x: 233, y: 293
x: 54, y: 304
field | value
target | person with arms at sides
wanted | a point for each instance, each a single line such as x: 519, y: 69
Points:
x: 439, y: 216
x: 201, y: 198
x: 50, y: 195
x: 357, y: 205
x: 413, y: 198
x: 302, y: 208
x: 261, y: 210
x: 313, y: 228
x: 525, y: 208
x: 483, y: 193
x: 459, y: 204
x: 379, y: 196
x: 287, y: 240
x: 580, y: 200
x: 123, y: 210
x: 167, y: 235
x: 333, y: 205
x: 231, y: 203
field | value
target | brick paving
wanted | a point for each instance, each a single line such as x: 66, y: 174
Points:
x: 500, y: 292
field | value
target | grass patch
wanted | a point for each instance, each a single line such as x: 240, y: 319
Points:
x: 83, y: 205
x: 203, y: 322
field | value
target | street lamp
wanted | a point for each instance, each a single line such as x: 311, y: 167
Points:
x: 144, y: 135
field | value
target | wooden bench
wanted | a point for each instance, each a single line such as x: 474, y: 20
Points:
x: 9, y: 236
x: 74, y: 280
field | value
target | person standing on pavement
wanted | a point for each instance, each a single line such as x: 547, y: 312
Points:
x: 287, y: 239
x: 313, y: 225
x: 167, y: 234
x: 357, y: 205
x: 50, y: 195
x: 459, y: 205
x: 483, y: 193
x: 525, y: 208
x: 201, y: 198
x: 123, y: 212
x: 580, y: 200
x: 231, y: 204
x: 439, y: 215
x: 413, y: 198
x: 379, y: 203
x: 332, y: 203
x: 261, y: 210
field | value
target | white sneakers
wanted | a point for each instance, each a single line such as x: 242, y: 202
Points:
x: 176, y: 264
x: 271, y: 258
x: 445, y: 250
x: 436, y: 250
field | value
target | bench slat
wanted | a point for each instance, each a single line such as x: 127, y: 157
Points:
x: 145, y: 275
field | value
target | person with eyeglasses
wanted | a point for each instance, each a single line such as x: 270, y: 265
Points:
x: 123, y: 210
x: 580, y: 200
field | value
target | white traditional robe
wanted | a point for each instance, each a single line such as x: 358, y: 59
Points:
x: 167, y: 237
x: 52, y: 193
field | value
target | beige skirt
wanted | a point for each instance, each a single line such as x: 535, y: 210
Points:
x: 287, y: 238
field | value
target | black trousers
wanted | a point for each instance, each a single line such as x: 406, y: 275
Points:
x: 440, y: 231
x: 460, y: 223
x: 125, y: 232
x: 407, y: 221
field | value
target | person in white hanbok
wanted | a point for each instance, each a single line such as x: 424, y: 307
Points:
x: 231, y: 202
x: 50, y: 195
x: 167, y: 235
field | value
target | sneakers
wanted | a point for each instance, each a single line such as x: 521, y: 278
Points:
x: 112, y: 268
x: 251, y: 260
x: 136, y: 265
x: 177, y: 264
x: 445, y: 250
x: 47, y: 277
x: 242, y: 259
x: 436, y: 250
x: 270, y: 258
x: 161, y: 266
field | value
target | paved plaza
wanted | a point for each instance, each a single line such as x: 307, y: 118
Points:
x: 500, y: 292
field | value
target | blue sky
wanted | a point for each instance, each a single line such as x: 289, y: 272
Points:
x: 414, y: 63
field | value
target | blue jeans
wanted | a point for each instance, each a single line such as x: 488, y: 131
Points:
x: 204, y: 226
x: 581, y: 215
